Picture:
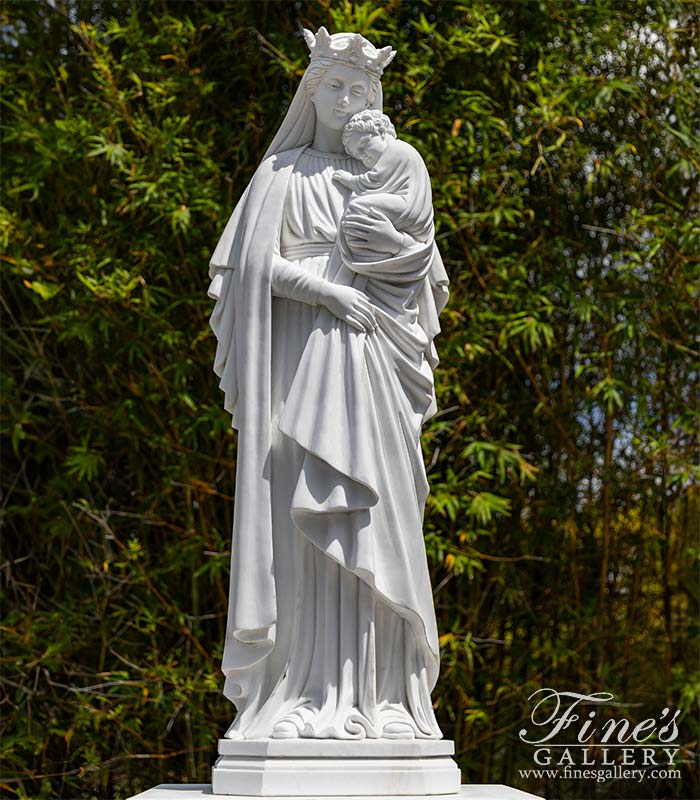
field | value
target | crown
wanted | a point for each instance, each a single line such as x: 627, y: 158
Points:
x: 348, y: 48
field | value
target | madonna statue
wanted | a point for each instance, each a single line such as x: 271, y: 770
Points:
x: 327, y: 304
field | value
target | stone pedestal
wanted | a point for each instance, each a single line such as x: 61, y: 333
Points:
x: 203, y: 791
x: 335, y: 768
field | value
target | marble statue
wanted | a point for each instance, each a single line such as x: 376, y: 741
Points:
x: 328, y: 287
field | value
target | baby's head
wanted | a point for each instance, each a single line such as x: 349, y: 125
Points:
x: 365, y: 136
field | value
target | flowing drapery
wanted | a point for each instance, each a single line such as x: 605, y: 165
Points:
x: 361, y: 488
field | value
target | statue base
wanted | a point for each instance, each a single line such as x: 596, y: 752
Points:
x: 203, y: 791
x: 335, y: 768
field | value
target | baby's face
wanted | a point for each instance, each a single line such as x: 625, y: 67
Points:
x: 366, y: 147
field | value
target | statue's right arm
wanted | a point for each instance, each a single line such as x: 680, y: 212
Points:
x: 291, y: 281
x: 288, y: 280
x: 348, y: 304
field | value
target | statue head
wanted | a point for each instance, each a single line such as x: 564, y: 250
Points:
x: 365, y: 137
x: 344, y: 75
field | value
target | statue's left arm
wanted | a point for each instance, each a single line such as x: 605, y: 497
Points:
x: 373, y: 232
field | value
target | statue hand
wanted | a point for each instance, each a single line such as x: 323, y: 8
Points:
x: 350, y: 305
x: 344, y: 178
x: 372, y: 233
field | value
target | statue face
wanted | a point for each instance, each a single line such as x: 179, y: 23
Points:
x: 367, y: 147
x: 342, y: 92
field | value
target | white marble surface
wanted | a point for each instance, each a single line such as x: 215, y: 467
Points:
x: 492, y: 791
x: 304, y: 768
x: 328, y: 286
x: 338, y: 748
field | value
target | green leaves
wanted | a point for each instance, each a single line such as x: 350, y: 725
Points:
x: 527, y: 331
x: 114, y: 152
x: 83, y: 463
x: 45, y: 290
x: 180, y: 219
x: 117, y: 285
x: 483, y: 506
x: 608, y: 390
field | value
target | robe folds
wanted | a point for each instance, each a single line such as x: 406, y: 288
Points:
x: 355, y: 408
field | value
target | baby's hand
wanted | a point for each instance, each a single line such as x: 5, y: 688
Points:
x: 345, y: 178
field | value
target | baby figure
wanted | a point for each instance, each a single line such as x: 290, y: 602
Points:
x: 367, y: 137
x: 393, y: 184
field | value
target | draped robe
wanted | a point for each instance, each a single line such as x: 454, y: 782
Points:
x: 339, y: 444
